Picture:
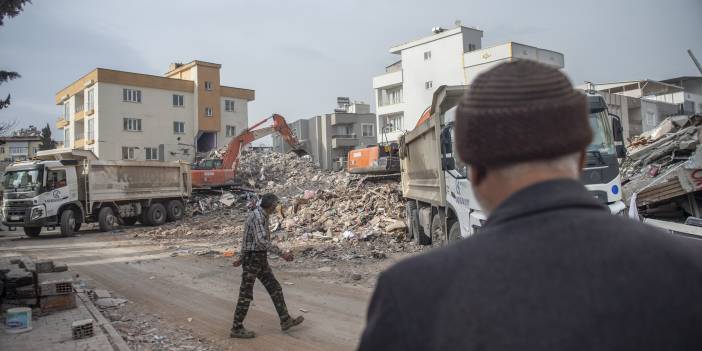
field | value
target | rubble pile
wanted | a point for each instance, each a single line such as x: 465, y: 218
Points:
x: 662, y: 167
x: 328, y: 215
x: 37, y: 284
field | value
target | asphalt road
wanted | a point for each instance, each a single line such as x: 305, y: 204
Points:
x: 204, y: 289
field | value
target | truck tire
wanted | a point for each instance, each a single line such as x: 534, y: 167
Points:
x: 438, y: 234
x: 107, y: 219
x: 144, y: 216
x: 32, y: 232
x: 410, y: 213
x: 455, y: 232
x: 175, y: 210
x: 77, y: 227
x: 156, y: 214
x: 129, y: 220
x: 422, y: 233
x: 68, y: 222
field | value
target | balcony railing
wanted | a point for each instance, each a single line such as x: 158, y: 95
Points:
x: 79, y: 116
x: 343, y: 118
x: 62, y: 122
x: 344, y: 140
x: 14, y: 151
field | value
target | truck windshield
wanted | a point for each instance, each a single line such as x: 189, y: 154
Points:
x: 602, y: 140
x: 22, y: 179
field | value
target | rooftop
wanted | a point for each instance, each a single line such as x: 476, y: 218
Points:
x: 443, y: 34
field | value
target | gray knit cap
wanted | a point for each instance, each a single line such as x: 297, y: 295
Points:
x: 520, y: 111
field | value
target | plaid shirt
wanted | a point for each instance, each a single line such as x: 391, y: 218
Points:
x: 257, y: 234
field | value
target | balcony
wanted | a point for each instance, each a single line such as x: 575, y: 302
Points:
x: 344, y: 141
x: 79, y: 116
x: 343, y: 118
x: 387, y: 79
x: 62, y: 123
x: 79, y: 143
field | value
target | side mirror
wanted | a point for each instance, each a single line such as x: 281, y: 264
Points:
x: 618, y: 135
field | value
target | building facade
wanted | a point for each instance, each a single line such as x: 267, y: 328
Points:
x: 447, y: 57
x: 328, y: 138
x: 124, y: 115
x: 18, y: 148
x: 643, y: 104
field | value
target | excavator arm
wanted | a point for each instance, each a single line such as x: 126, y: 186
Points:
x: 225, y: 174
x: 280, y: 126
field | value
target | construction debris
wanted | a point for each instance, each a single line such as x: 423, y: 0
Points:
x: 664, y: 168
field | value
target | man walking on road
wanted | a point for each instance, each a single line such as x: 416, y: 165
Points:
x: 254, y: 261
x: 551, y: 269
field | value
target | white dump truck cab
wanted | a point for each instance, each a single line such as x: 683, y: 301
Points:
x: 35, y: 191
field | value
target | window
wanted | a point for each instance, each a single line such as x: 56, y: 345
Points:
x: 208, y: 85
x: 132, y: 124
x: 177, y: 100
x: 231, y: 131
x: 390, y: 96
x: 427, y: 55
x: 428, y: 85
x: 471, y: 47
x: 229, y: 105
x: 55, y: 179
x: 131, y: 95
x: 2, y: 149
x: 67, y: 110
x: 367, y: 130
x: 128, y: 153
x: 392, y: 122
x: 35, y: 150
x: 179, y: 127
x: 90, y: 100
x: 91, y: 129
x: 151, y: 153
x: 208, y: 111
x: 345, y: 130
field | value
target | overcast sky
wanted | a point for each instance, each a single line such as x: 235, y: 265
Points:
x: 300, y: 55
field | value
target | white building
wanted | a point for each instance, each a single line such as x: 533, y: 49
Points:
x: 448, y: 57
x: 125, y: 115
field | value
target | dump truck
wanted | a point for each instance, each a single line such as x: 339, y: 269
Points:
x: 439, y: 201
x: 66, y: 188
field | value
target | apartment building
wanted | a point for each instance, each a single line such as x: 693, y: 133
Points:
x: 133, y: 116
x: 328, y: 138
x: 447, y: 57
x: 18, y: 148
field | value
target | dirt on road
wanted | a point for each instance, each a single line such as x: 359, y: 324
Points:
x: 186, y: 301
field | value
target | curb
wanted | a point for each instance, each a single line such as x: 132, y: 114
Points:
x: 112, y: 335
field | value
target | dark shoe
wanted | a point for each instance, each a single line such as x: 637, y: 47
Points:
x: 242, y: 333
x: 291, y: 322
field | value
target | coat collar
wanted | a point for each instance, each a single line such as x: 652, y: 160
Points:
x: 543, y: 197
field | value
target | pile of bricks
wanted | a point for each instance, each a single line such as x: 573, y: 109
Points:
x: 40, y: 284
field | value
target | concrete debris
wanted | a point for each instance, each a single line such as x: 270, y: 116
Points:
x: 663, y: 166
x: 43, y: 284
x: 109, y: 302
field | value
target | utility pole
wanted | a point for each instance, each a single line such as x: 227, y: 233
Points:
x: 694, y: 59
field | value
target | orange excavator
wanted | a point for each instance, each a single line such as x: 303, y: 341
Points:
x: 214, y: 173
x: 379, y: 161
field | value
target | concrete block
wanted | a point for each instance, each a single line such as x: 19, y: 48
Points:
x: 55, y: 283
x: 83, y: 329
x: 101, y: 293
x: 26, y: 263
x: 57, y: 302
x: 44, y: 266
x: 18, y: 277
x: 12, y: 303
x: 22, y: 292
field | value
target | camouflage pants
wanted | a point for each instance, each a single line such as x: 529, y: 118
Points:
x: 255, y: 265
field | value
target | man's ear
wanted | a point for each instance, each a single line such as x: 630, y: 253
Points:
x: 477, y: 174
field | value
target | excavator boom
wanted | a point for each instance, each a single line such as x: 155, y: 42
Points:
x: 218, y: 177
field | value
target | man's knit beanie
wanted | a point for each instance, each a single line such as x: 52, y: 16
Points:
x: 520, y: 111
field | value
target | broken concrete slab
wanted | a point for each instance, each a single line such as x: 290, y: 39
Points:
x: 110, y: 302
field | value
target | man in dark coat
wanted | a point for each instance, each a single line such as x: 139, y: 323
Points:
x: 551, y: 269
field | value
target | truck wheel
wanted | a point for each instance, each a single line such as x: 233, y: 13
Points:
x: 438, y: 235
x: 129, y: 220
x: 156, y: 214
x: 175, y: 210
x: 410, y: 210
x: 32, y: 232
x: 455, y: 232
x: 68, y: 222
x: 144, y: 216
x: 107, y: 219
x: 421, y: 233
x: 77, y: 227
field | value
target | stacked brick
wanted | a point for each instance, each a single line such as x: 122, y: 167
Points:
x: 40, y: 284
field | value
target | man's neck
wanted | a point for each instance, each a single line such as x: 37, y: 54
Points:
x: 501, y: 188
